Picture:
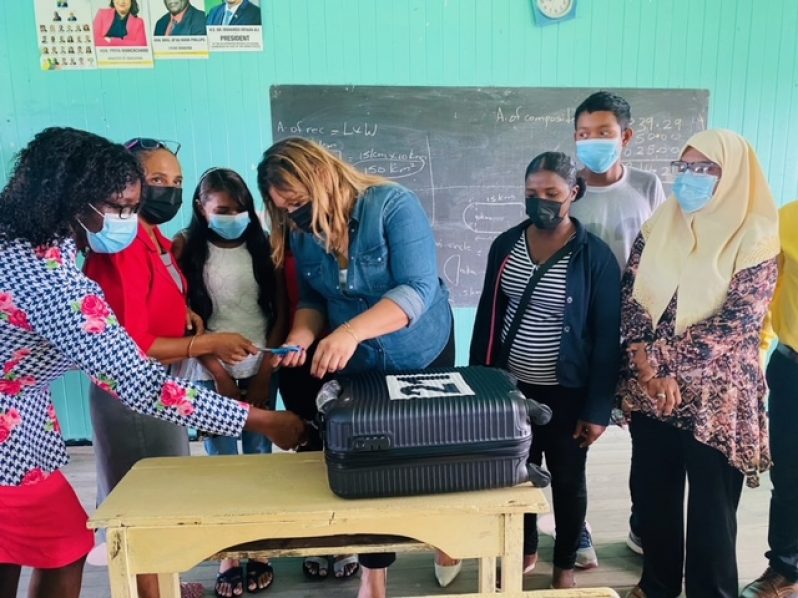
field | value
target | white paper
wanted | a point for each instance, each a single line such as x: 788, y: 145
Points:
x: 64, y: 35
x: 427, y: 386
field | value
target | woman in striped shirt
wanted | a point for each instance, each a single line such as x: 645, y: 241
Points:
x: 559, y: 338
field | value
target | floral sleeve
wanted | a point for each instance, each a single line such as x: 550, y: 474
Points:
x: 740, y: 318
x: 635, y: 322
x: 68, y: 311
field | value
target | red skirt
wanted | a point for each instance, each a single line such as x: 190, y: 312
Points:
x: 43, y: 525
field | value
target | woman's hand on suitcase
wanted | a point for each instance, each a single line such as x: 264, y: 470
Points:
x: 283, y: 428
x: 333, y: 353
x: 588, y: 433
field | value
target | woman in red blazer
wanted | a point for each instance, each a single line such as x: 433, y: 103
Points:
x: 119, y: 25
x: 147, y: 292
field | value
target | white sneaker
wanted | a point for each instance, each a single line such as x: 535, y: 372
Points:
x: 586, y: 555
x: 634, y: 543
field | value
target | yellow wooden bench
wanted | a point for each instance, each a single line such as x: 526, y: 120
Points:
x: 168, y: 514
x: 574, y: 593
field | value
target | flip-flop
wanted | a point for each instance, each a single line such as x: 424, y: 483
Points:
x: 341, y: 569
x: 256, y: 570
x: 322, y: 565
x: 235, y: 577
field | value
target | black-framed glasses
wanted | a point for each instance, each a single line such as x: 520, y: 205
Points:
x: 147, y: 143
x: 680, y: 166
x: 124, y: 212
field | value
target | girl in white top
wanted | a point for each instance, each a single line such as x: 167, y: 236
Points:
x: 226, y: 258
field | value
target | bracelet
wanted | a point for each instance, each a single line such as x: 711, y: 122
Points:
x: 191, y: 344
x: 348, y: 328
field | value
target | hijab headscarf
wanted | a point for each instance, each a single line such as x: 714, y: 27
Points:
x: 698, y: 254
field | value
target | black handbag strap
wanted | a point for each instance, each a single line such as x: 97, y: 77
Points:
x: 504, y: 353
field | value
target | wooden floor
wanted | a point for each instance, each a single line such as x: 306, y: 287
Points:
x: 412, y: 574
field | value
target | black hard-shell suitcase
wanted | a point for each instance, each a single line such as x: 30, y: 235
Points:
x: 429, y: 432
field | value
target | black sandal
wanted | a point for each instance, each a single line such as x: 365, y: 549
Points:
x: 234, y: 577
x: 255, y: 571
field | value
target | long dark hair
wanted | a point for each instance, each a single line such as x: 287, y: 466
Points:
x: 195, y: 253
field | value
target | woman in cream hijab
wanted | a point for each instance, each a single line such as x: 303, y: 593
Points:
x: 695, y: 293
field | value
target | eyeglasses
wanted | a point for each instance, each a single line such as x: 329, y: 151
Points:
x: 680, y: 166
x: 145, y: 143
x: 124, y: 212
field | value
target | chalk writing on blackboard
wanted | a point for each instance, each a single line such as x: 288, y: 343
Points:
x: 463, y: 150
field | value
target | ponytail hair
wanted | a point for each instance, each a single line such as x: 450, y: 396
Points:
x: 561, y: 164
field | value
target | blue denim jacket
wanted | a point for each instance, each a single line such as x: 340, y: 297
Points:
x: 392, y: 255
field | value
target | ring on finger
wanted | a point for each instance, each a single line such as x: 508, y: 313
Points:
x: 661, y: 395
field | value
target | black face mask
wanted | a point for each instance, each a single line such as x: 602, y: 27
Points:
x: 303, y: 217
x: 161, y: 204
x: 544, y: 213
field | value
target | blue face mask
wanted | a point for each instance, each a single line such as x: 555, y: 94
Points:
x: 116, y: 234
x: 229, y: 227
x: 598, y: 155
x: 694, y: 191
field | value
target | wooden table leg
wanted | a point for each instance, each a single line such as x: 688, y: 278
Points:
x: 487, y: 575
x: 512, y: 559
x: 122, y: 580
x: 169, y: 585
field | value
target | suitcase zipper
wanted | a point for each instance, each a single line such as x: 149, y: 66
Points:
x: 507, y: 448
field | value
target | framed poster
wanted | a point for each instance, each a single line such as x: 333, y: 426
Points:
x: 122, y: 33
x: 234, y: 25
x: 179, y: 29
x: 64, y: 35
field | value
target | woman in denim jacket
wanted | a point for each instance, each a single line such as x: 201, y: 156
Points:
x: 368, y: 272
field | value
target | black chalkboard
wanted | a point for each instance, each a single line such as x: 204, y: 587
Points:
x: 464, y: 150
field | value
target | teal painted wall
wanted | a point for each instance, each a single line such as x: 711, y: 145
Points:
x: 743, y: 51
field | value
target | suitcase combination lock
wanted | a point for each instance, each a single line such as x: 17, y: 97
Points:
x: 379, y: 442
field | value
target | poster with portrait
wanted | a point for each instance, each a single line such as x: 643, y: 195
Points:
x: 64, y: 35
x: 234, y: 25
x: 122, y: 33
x: 179, y: 29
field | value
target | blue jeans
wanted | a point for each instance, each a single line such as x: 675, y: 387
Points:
x: 251, y: 442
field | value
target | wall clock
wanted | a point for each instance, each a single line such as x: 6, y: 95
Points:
x: 548, y: 12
